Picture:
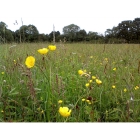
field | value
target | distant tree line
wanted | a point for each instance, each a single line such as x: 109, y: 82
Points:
x: 126, y: 32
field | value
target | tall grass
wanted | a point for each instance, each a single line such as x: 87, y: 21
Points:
x: 55, y: 77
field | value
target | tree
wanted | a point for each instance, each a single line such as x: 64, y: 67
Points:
x: 81, y: 35
x: 135, y: 29
x: 27, y: 33
x: 70, y: 32
x: 57, y: 36
x: 124, y: 30
x: 5, y: 34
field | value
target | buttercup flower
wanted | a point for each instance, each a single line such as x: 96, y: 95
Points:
x: 113, y: 86
x: 2, y: 73
x: 43, y: 51
x: 52, y: 47
x: 88, y: 101
x: 90, y: 81
x: 93, y: 77
x: 30, y: 61
x: 125, y: 90
x: 60, y: 101
x: 87, y: 84
x: 136, y: 87
x: 65, y: 111
x: 98, y: 81
x: 80, y: 72
x: 83, y: 100
x: 114, y: 69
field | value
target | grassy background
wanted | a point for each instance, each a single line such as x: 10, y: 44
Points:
x: 33, y: 95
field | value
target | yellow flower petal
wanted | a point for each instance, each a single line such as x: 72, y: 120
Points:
x: 113, y: 86
x: 52, y: 47
x: 30, y: 61
x: 98, y: 81
x: 80, y: 72
x: 43, y: 51
x: 65, y: 111
x: 60, y: 101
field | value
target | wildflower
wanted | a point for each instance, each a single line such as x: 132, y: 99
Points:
x: 43, y: 51
x: 52, y: 47
x: 113, y: 86
x: 2, y: 111
x: 125, y: 90
x: 80, y: 72
x: 98, y: 81
x: 85, y: 71
x: 90, y: 81
x: 65, y: 111
x: 42, y: 111
x: 106, y: 59
x: 14, y: 61
x: 83, y: 100
x: 87, y: 84
x: 91, y: 56
x: 30, y: 61
x: 60, y: 101
x: 93, y: 77
x: 136, y: 87
x: 88, y: 101
x: 2, y: 73
x: 114, y: 69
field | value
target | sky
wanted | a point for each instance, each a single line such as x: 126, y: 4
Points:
x: 90, y: 15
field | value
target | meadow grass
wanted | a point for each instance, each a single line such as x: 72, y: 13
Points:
x: 32, y: 95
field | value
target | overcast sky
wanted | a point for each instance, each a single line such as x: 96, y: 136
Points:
x: 91, y: 15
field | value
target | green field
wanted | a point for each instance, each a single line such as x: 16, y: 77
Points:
x: 36, y: 94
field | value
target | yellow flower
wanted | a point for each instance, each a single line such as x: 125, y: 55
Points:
x: 88, y: 101
x: 30, y: 61
x: 125, y: 90
x: 2, y: 73
x: 90, y: 81
x: 43, y: 51
x: 80, y: 72
x: 113, y: 86
x: 85, y: 71
x: 98, y: 81
x: 87, y: 84
x: 106, y: 59
x: 42, y: 112
x: 65, y: 111
x: 93, y: 77
x: 60, y: 101
x: 2, y: 111
x: 52, y: 47
x: 91, y: 56
x: 136, y: 87
x: 14, y: 61
x: 83, y: 100
x: 114, y: 69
